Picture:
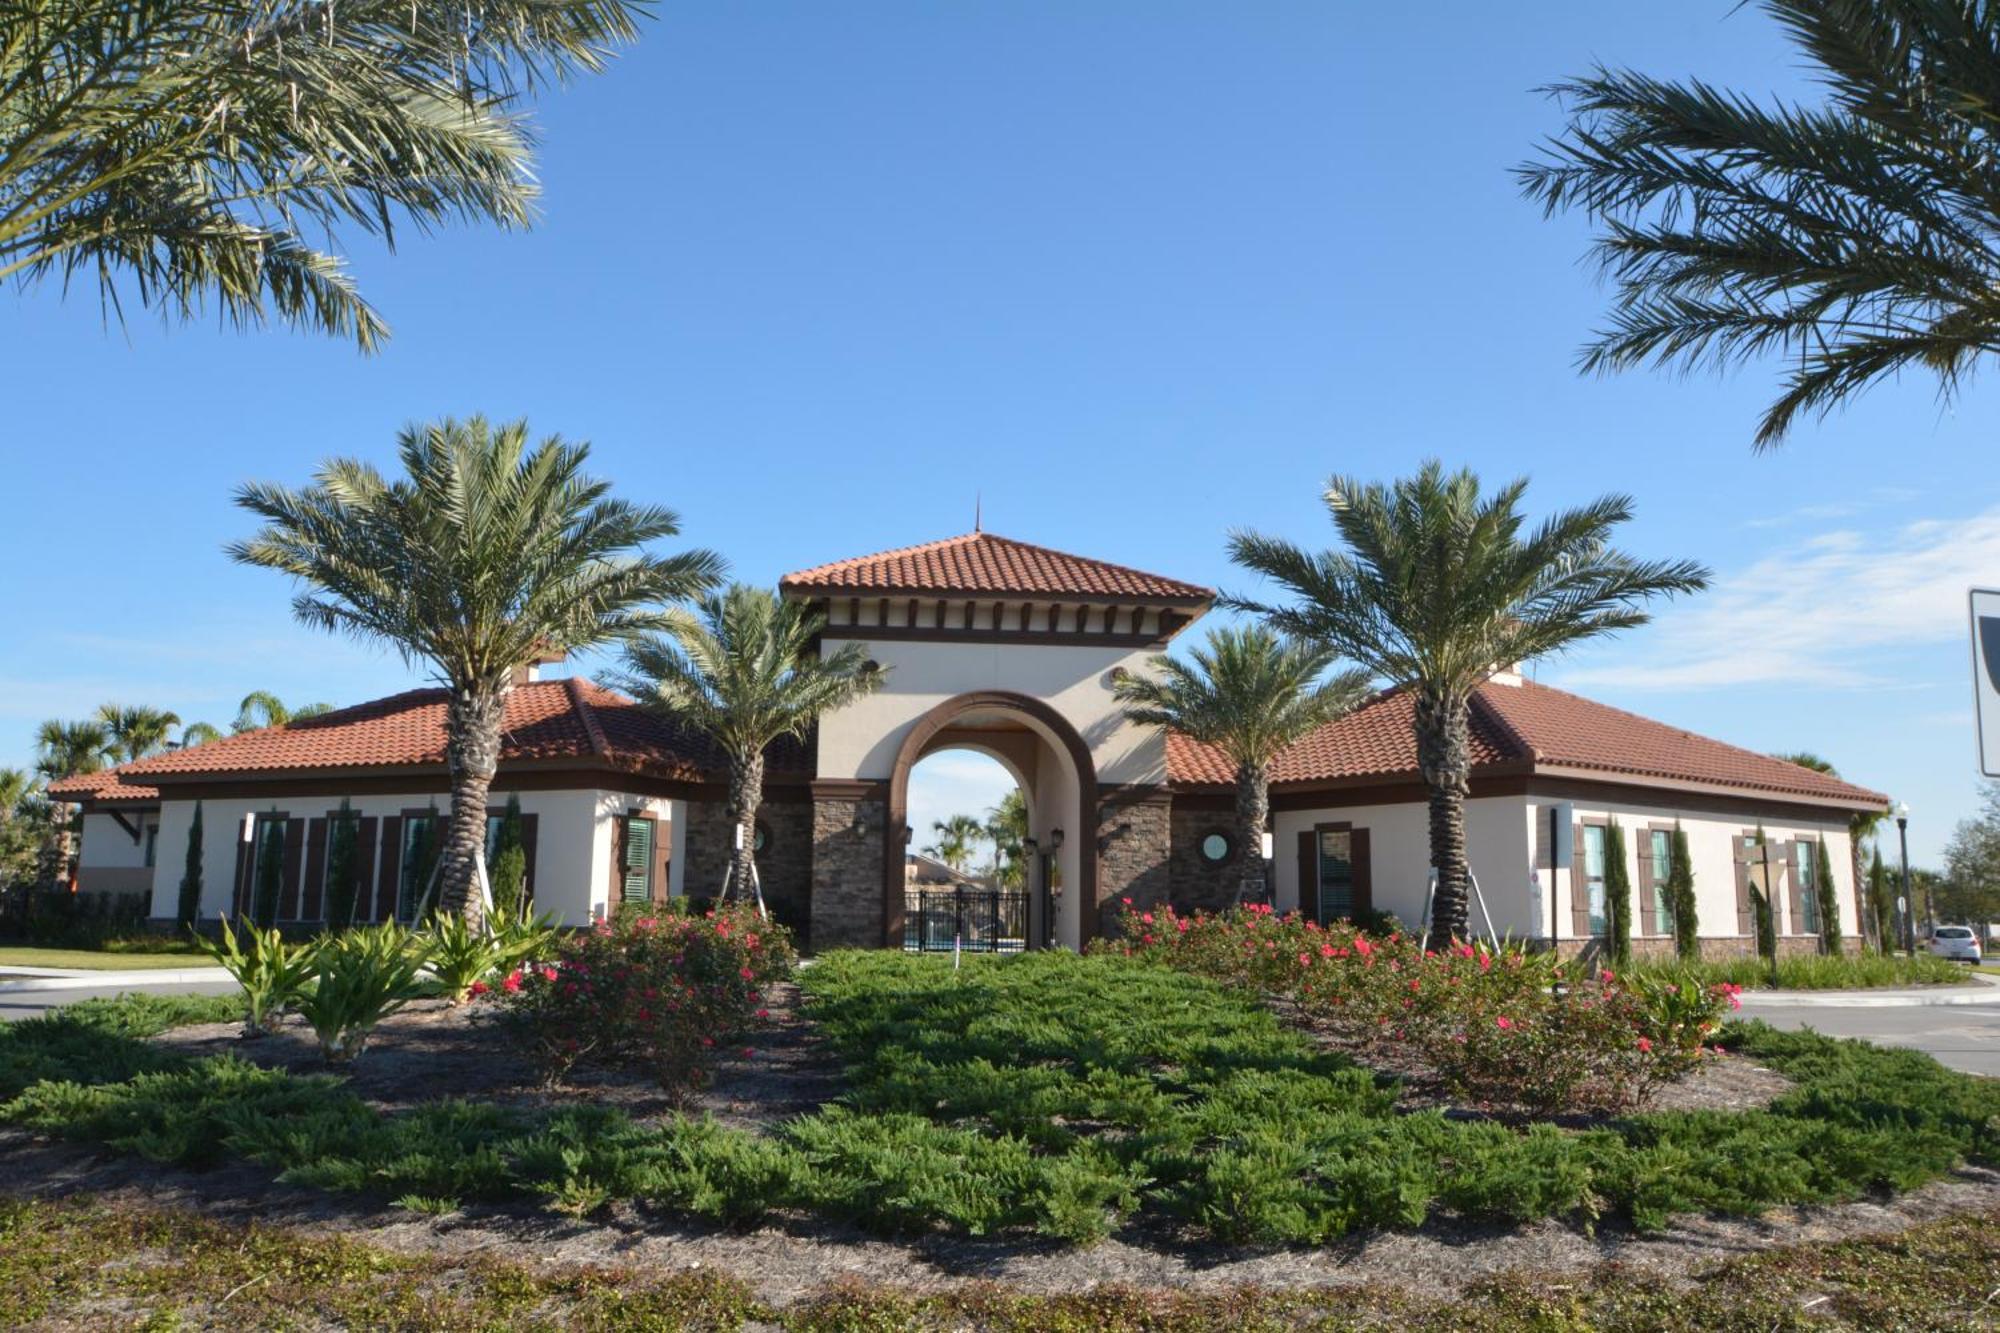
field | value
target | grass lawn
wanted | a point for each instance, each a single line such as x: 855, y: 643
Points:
x: 81, y: 1263
x: 27, y: 955
x: 1049, y: 1094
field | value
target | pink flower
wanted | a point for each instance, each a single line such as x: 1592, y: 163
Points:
x: 512, y: 985
x: 749, y: 1051
x: 763, y: 1013
x: 548, y: 973
x: 1504, y: 1023
x: 479, y: 988
x: 1146, y: 917
x: 1645, y: 1045
x: 745, y: 973
x: 1327, y: 951
x: 1606, y: 976
x: 1126, y: 901
x: 1305, y: 960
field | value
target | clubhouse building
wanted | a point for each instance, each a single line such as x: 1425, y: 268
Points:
x: 1010, y: 650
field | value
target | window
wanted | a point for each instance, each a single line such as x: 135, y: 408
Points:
x: 1808, y: 894
x: 1660, y: 847
x: 152, y: 844
x: 1215, y: 848
x: 1593, y: 873
x: 636, y: 874
x: 493, y: 823
x: 418, y: 853
x: 1336, y: 875
x: 760, y: 837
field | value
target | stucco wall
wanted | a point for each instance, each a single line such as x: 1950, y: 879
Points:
x: 572, y: 853
x: 860, y: 741
x: 1399, y: 847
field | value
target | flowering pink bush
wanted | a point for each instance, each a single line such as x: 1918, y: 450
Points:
x: 655, y: 992
x: 1512, y: 1027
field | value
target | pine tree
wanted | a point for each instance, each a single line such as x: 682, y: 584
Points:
x: 510, y: 862
x: 1680, y: 896
x: 341, y: 871
x: 1829, y: 901
x: 189, y: 906
x: 1617, y: 897
x: 270, y: 881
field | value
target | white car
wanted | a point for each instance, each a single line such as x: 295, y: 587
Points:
x: 1957, y: 943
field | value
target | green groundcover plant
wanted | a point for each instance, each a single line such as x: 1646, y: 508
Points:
x: 271, y: 972
x: 1047, y: 1093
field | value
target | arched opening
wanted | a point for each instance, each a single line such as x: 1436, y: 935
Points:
x: 1052, y: 767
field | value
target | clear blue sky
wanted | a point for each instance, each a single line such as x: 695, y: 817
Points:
x: 815, y: 274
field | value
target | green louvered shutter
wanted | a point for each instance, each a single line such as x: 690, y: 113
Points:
x: 638, y: 860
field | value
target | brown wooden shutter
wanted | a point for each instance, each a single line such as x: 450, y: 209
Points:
x: 1309, y: 875
x: 1579, y: 886
x: 1646, y: 887
x: 528, y: 855
x: 312, y: 902
x: 1361, y: 861
x: 364, y: 866
x: 392, y: 868
x: 616, y: 889
x: 1746, y: 915
x: 663, y: 852
x: 294, y: 876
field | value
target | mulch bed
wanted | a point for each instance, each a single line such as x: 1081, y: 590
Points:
x: 432, y: 1049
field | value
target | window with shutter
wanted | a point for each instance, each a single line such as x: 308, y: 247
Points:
x: 638, y: 860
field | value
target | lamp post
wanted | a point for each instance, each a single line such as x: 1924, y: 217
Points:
x: 1902, y: 812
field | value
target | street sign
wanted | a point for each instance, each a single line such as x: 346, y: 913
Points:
x: 1986, y: 677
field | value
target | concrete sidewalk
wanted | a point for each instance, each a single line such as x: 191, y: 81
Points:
x: 13, y: 979
x: 1982, y: 990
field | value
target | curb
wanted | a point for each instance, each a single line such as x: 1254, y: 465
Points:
x: 1983, y: 991
x: 81, y: 980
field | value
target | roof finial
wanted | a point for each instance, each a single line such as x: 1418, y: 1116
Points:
x: 978, y: 503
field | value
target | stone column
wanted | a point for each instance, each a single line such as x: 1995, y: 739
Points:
x: 1134, y: 845
x: 847, y: 870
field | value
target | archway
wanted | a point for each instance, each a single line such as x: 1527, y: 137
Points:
x: 1054, y: 768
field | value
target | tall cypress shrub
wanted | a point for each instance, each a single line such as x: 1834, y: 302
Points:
x: 189, y: 906
x: 1760, y: 907
x: 340, y: 868
x: 1829, y: 901
x: 270, y: 872
x: 1617, y: 897
x: 1680, y: 897
x: 510, y: 861
x: 1878, y: 899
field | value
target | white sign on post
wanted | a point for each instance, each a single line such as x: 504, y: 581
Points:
x: 1986, y: 677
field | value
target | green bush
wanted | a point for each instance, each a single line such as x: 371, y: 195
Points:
x: 343, y: 875
x: 271, y: 972
x: 361, y: 977
x: 188, y: 906
x: 1809, y: 971
x: 1617, y: 897
x: 1829, y: 900
x: 1681, y: 897
x: 463, y: 955
x: 510, y: 863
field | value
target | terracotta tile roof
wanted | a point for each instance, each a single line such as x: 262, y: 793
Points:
x: 1521, y: 726
x: 981, y: 563
x: 101, y: 787
x: 547, y: 722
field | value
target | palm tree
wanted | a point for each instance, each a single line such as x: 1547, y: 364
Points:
x: 15, y: 784
x: 485, y: 555
x: 1007, y: 828
x: 67, y: 750
x: 185, y: 152
x: 1861, y: 827
x: 1852, y: 239
x: 261, y: 708
x: 199, y: 733
x: 744, y: 672
x: 956, y: 839
x: 1438, y: 589
x: 1250, y: 693
x: 136, y: 731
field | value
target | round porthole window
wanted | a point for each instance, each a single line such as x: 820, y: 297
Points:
x: 1215, y: 847
x: 760, y: 839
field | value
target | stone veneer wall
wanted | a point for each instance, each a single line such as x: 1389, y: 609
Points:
x: 1134, y: 849
x: 1714, y: 948
x: 784, y: 866
x: 1196, y: 881
x: 846, y: 901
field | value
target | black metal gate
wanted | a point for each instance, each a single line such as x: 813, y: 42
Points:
x: 976, y: 920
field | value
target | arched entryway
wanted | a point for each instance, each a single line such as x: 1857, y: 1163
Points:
x: 1052, y: 764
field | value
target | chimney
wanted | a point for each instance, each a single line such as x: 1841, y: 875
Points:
x: 531, y: 671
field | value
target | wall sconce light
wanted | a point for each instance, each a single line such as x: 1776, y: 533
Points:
x: 1055, y: 839
x: 907, y: 833
x: 1030, y: 846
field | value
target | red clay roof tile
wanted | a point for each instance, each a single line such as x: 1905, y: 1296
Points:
x: 981, y: 563
x: 1521, y: 725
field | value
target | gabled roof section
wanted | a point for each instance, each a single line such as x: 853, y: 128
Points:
x: 560, y: 723
x: 105, y: 787
x: 1524, y: 728
x: 982, y: 564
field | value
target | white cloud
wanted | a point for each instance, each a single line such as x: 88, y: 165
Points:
x: 1825, y: 612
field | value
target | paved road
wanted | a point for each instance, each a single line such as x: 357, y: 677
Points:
x: 29, y: 1003
x: 1965, y: 1037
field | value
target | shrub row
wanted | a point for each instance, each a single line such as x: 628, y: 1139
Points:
x: 1499, y: 1028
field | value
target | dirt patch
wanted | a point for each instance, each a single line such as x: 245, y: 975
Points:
x: 786, y: 1264
x: 431, y: 1049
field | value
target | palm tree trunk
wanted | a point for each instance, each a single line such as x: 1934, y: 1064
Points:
x: 746, y: 793
x: 1253, y: 811
x: 472, y: 724
x: 1444, y: 757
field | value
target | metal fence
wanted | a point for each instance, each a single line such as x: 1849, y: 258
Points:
x: 976, y: 920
